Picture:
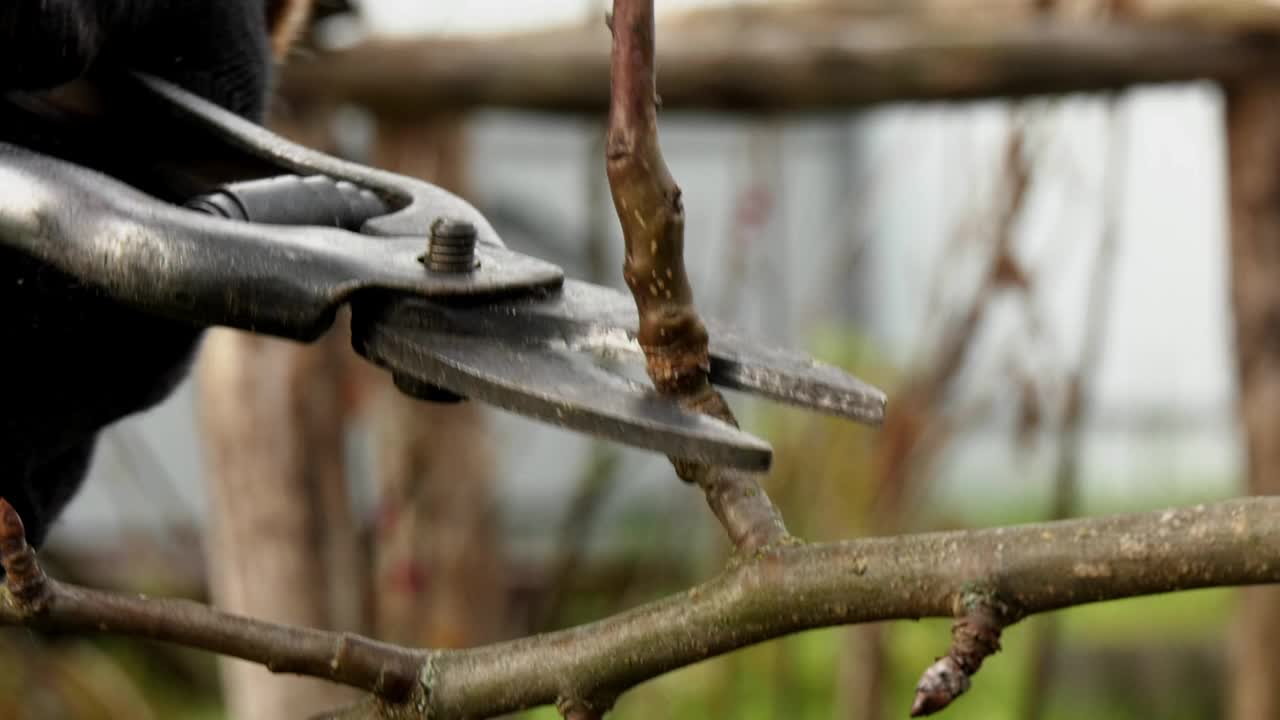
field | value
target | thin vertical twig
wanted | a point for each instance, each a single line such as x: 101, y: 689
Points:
x: 651, y: 212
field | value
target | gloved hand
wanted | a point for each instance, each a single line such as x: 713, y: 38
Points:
x: 219, y: 49
x: 74, y: 362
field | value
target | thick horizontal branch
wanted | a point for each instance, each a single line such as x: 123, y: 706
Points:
x: 789, y: 588
x: 1027, y: 569
x: 794, y: 62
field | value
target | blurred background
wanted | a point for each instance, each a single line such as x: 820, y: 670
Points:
x: 1041, y: 285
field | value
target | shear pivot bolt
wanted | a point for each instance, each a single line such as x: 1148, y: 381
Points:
x: 453, y: 246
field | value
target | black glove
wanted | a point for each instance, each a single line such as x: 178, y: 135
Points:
x: 74, y: 362
x: 219, y: 49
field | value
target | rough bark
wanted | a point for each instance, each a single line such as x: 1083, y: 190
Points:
x: 794, y: 59
x: 1253, y: 126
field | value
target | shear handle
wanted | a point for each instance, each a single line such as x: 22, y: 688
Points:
x: 175, y: 145
x: 97, y: 191
x: 294, y: 200
x: 287, y: 281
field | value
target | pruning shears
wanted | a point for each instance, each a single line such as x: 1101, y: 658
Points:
x: 182, y: 209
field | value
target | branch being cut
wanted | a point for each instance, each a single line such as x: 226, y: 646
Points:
x: 649, y: 207
x: 786, y: 589
x: 672, y: 335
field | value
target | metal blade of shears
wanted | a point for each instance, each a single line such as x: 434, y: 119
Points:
x: 605, y: 321
x: 601, y: 321
x: 544, y: 355
x: 548, y: 381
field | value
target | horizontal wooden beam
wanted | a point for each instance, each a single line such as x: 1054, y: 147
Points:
x: 795, y: 62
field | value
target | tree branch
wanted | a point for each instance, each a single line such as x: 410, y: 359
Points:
x: 36, y: 601
x: 650, y: 210
x: 672, y: 335
x: 787, y: 589
x: 1026, y: 569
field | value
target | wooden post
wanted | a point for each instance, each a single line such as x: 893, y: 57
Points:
x: 800, y: 57
x: 439, y: 570
x: 1253, y: 126
x: 279, y: 519
x: 284, y: 544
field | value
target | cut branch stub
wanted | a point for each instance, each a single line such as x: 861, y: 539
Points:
x: 651, y: 213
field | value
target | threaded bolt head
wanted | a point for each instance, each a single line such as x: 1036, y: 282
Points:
x: 452, y: 247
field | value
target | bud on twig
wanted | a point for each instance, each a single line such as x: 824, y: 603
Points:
x: 974, y: 637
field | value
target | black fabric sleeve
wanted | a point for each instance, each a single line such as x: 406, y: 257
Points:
x: 44, y: 43
x: 218, y: 49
